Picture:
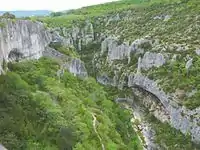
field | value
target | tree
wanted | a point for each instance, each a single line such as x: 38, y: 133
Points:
x: 8, y: 15
x: 55, y: 14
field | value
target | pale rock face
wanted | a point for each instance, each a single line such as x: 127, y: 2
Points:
x: 76, y: 67
x: 189, y: 64
x: 115, y: 51
x: 113, y: 18
x: 173, y: 60
x: 123, y: 51
x: 139, y: 65
x: 187, y: 121
x: 2, y: 147
x: 167, y: 17
x: 162, y: 17
x: 89, y: 33
x: 140, y: 45
x: 198, y: 52
x: 104, y: 79
x: 22, y: 39
x: 79, y: 36
x: 119, y: 52
x: 150, y: 60
x: 73, y: 65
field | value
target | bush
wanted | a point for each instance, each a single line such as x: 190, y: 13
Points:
x: 8, y: 15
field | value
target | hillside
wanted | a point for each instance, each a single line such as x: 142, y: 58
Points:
x: 116, y: 76
x: 152, y: 46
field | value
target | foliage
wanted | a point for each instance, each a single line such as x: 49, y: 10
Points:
x: 168, y: 137
x: 175, y: 76
x: 8, y: 15
x: 80, y: 15
x: 40, y: 112
x: 55, y: 14
x: 69, y: 51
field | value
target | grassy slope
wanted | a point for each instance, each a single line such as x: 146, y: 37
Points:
x: 78, y: 15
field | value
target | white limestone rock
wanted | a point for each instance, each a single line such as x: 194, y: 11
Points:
x: 185, y: 120
x: 22, y: 39
x: 198, y: 52
x: 150, y: 60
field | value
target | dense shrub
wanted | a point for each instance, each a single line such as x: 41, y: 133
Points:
x: 40, y: 112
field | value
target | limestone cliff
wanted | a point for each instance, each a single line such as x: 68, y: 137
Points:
x: 153, y: 49
x: 22, y: 39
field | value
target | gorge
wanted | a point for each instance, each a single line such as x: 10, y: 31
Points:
x: 145, y: 58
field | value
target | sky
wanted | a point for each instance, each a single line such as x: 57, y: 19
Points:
x: 54, y: 5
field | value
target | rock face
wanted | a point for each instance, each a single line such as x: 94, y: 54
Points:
x: 77, y: 68
x: 150, y: 60
x: 122, y: 51
x: 73, y: 65
x: 22, y: 39
x: 137, y: 45
x: 2, y: 147
x: 115, y: 51
x: 78, y: 36
x: 187, y: 121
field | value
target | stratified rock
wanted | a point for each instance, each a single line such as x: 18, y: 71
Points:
x: 76, y: 67
x: 2, y: 147
x: 78, y: 36
x: 180, y: 118
x: 22, y: 39
x: 189, y: 64
x: 104, y: 79
x: 198, y: 52
x: 150, y: 60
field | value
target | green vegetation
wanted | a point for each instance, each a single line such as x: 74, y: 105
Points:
x: 2, y: 25
x: 40, y: 112
x: 175, y: 76
x: 8, y: 15
x: 168, y: 137
x: 65, y: 50
x: 60, y: 19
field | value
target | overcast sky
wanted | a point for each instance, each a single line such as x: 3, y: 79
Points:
x: 54, y: 5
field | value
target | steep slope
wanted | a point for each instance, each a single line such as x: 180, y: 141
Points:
x: 151, y: 48
x: 40, y: 110
x: 22, y: 39
x: 44, y: 105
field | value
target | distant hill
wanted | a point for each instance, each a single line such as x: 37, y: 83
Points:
x: 28, y: 13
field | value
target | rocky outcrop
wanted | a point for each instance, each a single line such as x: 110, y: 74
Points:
x: 78, y: 36
x: 22, y: 39
x: 104, y: 79
x: 2, y: 147
x: 150, y: 60
x: 142, y: 127
x: 73, y: 65
x: 117, y: 51
x: 77, y: 67
x: 198, y: 52
x: 187, y: 121
x: 114, y: 50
